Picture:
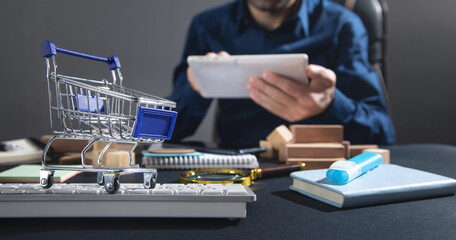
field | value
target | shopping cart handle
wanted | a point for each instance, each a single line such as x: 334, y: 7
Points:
x: 49, y: 49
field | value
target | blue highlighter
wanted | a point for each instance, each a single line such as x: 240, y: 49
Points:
x: 342, y: 172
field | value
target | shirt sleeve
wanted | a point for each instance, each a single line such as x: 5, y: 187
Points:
x: 359, y: 102
x: 191, y: 107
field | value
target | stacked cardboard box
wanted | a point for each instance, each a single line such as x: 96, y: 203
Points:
x: 318, y: 146
x: 117, y: 155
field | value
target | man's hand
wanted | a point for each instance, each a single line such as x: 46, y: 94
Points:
x: 191, y: 78
x: 291, y: 100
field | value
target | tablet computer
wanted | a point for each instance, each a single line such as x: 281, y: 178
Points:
x: 227, y: 76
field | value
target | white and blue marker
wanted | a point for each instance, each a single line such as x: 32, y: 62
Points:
x: 342, y: 172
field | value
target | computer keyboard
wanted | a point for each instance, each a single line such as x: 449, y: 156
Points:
x: 132, y: 200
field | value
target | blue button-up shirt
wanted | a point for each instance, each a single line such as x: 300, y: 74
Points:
x: 332, y: 37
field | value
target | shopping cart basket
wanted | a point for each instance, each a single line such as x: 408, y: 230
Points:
x: 104, y: 111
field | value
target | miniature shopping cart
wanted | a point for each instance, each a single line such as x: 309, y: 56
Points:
x: 104, y: 111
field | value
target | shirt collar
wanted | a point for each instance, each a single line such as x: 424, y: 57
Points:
x: 243, y: 17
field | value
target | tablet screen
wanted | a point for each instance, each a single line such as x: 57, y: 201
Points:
x: 227, y: 76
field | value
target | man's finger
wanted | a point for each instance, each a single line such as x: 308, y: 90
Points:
x: 266, y: 102
x: 272, y: 91
x: 286, y: 85
x: 211, y: 54
x: 223, y: 53
x: 321, y: 76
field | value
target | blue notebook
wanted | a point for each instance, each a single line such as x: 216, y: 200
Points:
x: 385, y: 184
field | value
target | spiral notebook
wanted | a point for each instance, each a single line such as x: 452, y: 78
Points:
x: 198, y: 160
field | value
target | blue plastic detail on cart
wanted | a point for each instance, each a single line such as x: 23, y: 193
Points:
x: 49, y: 49
x: 154, y: 123
x: 81, y: 104
x: 113, y: 62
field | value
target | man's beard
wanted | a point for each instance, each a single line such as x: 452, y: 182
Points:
x: 269, y: 5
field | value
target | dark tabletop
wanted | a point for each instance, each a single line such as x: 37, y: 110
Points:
x: 278, y: 213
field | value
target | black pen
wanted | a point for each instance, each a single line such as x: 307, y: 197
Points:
x: 252, y: 150
x: 231, y: 152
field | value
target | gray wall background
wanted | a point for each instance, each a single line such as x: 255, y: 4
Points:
x: 148, y: 37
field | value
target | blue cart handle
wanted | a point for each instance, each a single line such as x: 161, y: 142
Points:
x: 49, y: 49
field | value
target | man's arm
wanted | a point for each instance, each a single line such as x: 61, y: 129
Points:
x: 354, y: 100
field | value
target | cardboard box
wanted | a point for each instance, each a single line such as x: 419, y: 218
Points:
x: 303, y: 133
x: 384, y: 152
x: 281, y: 134
x: 315, y: 150
x: 270, y: 152
x: 357, y: 149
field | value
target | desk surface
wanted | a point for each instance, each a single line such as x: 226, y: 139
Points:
x: 279, y: 213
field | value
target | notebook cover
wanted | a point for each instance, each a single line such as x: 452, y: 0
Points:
x: 386, y: 184
x: 28, y: 173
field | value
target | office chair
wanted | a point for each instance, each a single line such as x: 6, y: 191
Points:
x: 373, y: 15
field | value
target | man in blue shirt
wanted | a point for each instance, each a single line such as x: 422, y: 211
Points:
x: 343, y: 88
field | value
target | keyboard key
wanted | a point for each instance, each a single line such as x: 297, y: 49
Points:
x: 29, y: 186
x: 89, y: 191
x: 65, y: 191
x: 236, y: 192
x: 212, y: 192
x: 12, y: 191
x: 39, y: 191
x: 10, y: 186
x: 139, y: 191
x: 163, y: 191
x: 187, y: 191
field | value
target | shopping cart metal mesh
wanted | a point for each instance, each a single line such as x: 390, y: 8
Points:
x: 102, y: 110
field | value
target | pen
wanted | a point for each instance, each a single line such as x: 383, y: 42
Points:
x: 231, y: 152
x: 252, y: 150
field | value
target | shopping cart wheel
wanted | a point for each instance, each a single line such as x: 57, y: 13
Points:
x: 111, y: 182
x: 46, y: 178
x: 150, y: 180
x: 100, y: 178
